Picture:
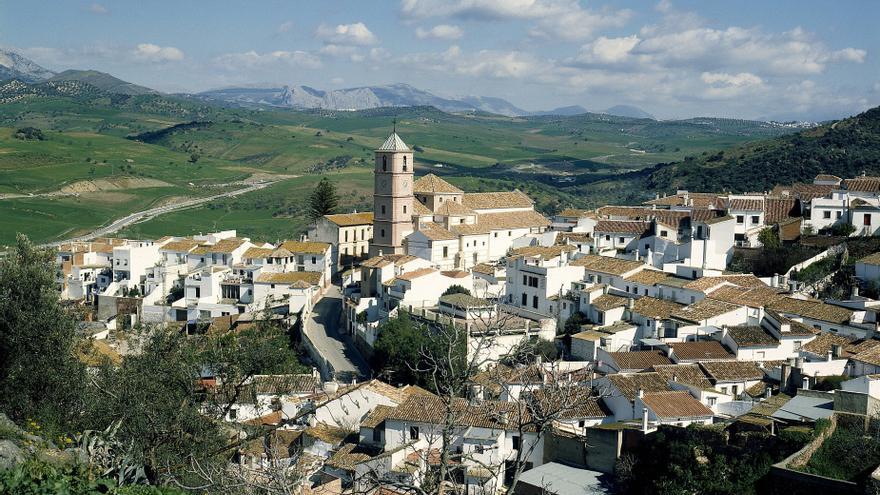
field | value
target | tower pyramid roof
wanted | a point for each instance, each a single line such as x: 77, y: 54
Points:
x: 432, y: 184
x: 394, y: 143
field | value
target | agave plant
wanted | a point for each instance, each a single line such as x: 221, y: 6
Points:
x: 109, y: 455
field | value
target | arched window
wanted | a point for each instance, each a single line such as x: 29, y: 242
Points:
x: 404, y: 163
x: 404, y: 208
x: 382, y: 234
x: 384, y: 163
x: 383, y: 209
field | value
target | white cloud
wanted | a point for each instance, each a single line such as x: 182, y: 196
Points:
x: 609, y: 50
x: 97, y: 8
x: 563, y: 19
x: 284, y: 27
x: 440, y: 32
x: 483, y: 63
x: 252, y: 59
x: 155, y: 53
x: 346, y: 34
x: 849, y: 55
x: 332, y: 50
x: 724, y: 79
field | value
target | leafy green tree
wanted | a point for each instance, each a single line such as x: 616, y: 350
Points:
x: 456, y: 289
x: 40, y: 377
x: 323, y: 200
x: 769, y: 238
x: 398, y: 349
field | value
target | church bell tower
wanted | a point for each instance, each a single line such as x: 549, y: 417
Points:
x: 392, y: 196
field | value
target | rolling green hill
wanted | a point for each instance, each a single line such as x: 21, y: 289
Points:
x: 116, y: 153
x: 845, y: 148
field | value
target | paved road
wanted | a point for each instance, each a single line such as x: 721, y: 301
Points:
x: 121, y: 223
x: 337, y: 349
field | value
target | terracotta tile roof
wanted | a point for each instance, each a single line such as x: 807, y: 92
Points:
x: 464, y: 301
x: 631, y: 212
x: 869, y: 356
x: 347, y: 457
x: 654, y: 308
x: 674, y: 405
x: 484, y: 268
x: 621, y: 227
x: 746, y: 204
x: 607, y: 264
x: 575, y: 237
x: 709, y: 350
x: 181, y: 246
x: 436, y: 232
x: 377, y: 416
x: 420, y: 209
x: 257, y: 253
x: 688, y: 374
x: 698, y: 199
x: 752, y: 336
x: 628, y: 384
x: 568, y: 402
x: 543, y: 252
x: 455, y: 273
x: 795, y: 328
x: 827, y: 178
x: 453, y: 209
x: 639, y: 360
x: 862, y: 184
x: 608, y: 301
x: 732, y: 371
x: 493, y: 200
x: 804, y: 192
x: 485, y: 414
x: 576, y: 213
x: 703, y: 284
x: 286, y: 278
x: 815, y: 310
x: 861, y: 204
x: 487, y: 222
x: 307, y: 247
x: 703, y: 310
x: 430, y: 184
x: 778, y: 210
x: 351, y: 219
x: 388, y: 259
x: 331, y: 434
x: 648, y: 277
x: 756, y: 297
x: 224, y: 246
x: 825, y: 341
x: 414, y: 274
x: 871, y: 259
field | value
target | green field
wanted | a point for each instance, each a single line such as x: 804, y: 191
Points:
x: 120, y: 154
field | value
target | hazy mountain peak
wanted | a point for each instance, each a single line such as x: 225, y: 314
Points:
x: 15, y: 66
x: 629, y: 111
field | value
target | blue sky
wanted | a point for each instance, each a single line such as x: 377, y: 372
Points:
x: 673, y: 58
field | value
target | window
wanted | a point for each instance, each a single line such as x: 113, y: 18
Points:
x: 382, y: 234
x: 345, y: 234
x: 413, y: 432
x: 404, y: 208
x: 198, y: 292
x: 535, y: 302
x: 384, y: 163
x: 761, y: 354
x: 525, y: 280
x: 693, y: 299
x: 740, y: 219
x: 798, y: 344
x: 383, y: 209
x: 445, y: 251
x: 514, y: 440
x: 525, y: 299
x: 755, y: 219
x: 646, y: 292
x: 826, y: 214
x: 723, y: 390
x: 233, y: 414
x: 735, y: 390
x: 377, y: 435
x: 404, y: 163
x: 663, y: 233
x: 620, y: 239
x: 867, y: 219
x: 711, y: 401
x: 314, y: 260
x: 582, y: 423
x: 839, y: 214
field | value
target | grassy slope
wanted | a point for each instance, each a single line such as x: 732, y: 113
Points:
x: 475, y: 151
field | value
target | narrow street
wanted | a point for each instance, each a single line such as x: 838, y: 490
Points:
x: 334, y: 347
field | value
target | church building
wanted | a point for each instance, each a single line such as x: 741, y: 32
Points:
x: 431, y: 219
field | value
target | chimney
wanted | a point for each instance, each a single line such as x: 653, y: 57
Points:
x: 774, y: 281
x: 605, y: 289
x: 829, y: 356
x: 380, y: 252
x: 783, y: 376
x: 768, y: 392
x: 644, y: 420
x: 641, y: 393
x: 855, y: 291
x: 806, y: 383
x: 630, y: 303
x: 835, y: 350
x: 723, y: 332
x: 674, y: 377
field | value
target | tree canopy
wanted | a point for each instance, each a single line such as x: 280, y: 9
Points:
x: 324, y: 200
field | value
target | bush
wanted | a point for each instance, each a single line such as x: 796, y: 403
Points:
x: 456, y: 289
x: 29, y: 133
x: 35, y: 477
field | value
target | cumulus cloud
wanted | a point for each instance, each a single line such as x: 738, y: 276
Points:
x: 440, y: 32
x: 252, y: 59
x: 609, y: 50
x: 284, y: 27
x: 97, y: 8
x: 154, y: 53
x: 346, y: 34
x: 483, y: 63
x: 564, y: 19
x: 725, y: 79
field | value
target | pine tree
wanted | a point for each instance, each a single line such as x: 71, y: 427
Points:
x: 323, y: 200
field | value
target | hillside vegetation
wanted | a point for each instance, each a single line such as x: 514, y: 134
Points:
x: 845, y: 148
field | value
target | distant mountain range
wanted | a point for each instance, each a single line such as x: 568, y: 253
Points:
x: 391, y: 95
x: 14, y: 66
x: 103, y: 81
